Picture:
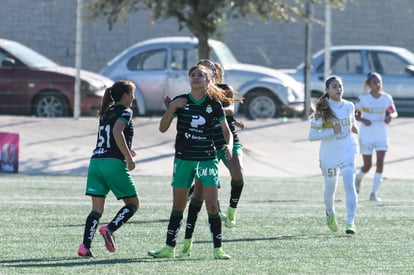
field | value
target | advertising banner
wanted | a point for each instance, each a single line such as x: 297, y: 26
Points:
x: 9, y: 154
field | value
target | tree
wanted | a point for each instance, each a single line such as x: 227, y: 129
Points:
x: 203, y: 18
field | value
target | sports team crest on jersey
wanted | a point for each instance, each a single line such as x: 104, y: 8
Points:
x: 209, y: 109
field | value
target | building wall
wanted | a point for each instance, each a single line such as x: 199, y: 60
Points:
x: 49, y: 26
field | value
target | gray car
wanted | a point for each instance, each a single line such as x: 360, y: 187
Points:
x: 159, y: 68
x: 354, y: 62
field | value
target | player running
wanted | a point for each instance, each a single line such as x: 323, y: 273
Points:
x: 374, y: 110
x: 333, y: 124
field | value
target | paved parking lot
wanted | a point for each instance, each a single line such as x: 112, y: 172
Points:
x: 272, y: 148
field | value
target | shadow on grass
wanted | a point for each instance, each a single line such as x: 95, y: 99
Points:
x: 279, y: 238
x: 129, y: 222
x: 74, y: 261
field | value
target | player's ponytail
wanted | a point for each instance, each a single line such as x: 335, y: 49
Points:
x: 106, y: 102
x: 114, y: 94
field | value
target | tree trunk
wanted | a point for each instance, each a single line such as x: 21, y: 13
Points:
x: 203, y: 47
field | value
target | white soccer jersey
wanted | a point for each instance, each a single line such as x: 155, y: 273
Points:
x: 336, y: 150
x: 374, y: 136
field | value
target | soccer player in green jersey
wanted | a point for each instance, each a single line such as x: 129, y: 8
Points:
x: 110, y: 166
x: 195, y: 154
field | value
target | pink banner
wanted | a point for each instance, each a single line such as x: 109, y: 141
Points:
x: 9, y: 154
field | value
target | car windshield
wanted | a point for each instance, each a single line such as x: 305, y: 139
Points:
x: 409, y: 56
x: 28, y: 56
x: 225, y: 55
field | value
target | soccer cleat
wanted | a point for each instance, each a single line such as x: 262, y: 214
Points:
x: 109, y: 239
x: 219, y: 254
x: 223, y: 216
x: 164, y: 252
x: 84, y: 252
x: 350, y: 228
x: 231, y: 217
x: 331, y: 221
x: 358, y: 184
x: 373, y: 197
x: 186, y: 250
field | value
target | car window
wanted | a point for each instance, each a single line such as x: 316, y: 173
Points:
x: 345, y: 62
x: 148, y: 61
x: 6, y: 60
x: 386, y: 63
x: 2, y: 58
x: 181, y: 58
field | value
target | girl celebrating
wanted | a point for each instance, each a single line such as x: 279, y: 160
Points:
x: 195, y: 154
x: 333, y: 124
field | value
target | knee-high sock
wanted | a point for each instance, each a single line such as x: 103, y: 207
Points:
x: 215, y: 228
x: 329, y: 194
x: 91, y: 225
x: 350, y: 194
x: 377, y: 182
x: 123, y: 215
x: 359, y: 175
x: 176, y: 218
x: 193, y: 210
x: 235, y: 193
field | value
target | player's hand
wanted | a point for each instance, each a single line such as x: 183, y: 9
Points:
x: 178, y: 103
x: 337, y: 128
x: 167, y: 100
x: 133, y: 153
x: 130, y: 164
x: 354, y: 129
x: 366, y: 122
x: 239, y: 124
x: 387, y: 119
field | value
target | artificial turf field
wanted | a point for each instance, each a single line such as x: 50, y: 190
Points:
x: 281, y: 229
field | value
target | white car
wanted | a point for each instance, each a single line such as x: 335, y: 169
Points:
x: 159, y: 67
x: 353, y: 63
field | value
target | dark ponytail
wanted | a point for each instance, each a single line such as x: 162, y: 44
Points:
x: 114, y: 94
x: 106, y: 102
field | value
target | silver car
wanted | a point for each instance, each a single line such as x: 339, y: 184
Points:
x: 354, y: 62
x: 159, y: 68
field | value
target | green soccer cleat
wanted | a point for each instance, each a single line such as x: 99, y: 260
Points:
x: 186, y: 250
x: 331, y: 221
x: 231, y: 217
x: 350, y: 228
x: 164, y: 252
x: 223, y: 216
x: 219, y: 254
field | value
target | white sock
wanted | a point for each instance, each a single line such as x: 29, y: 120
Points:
x: 377, y: 182
x: 329, y: 194
x: 359, y: 175
x: 350, y: 194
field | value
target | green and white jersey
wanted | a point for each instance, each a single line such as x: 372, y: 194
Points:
x: 106, y: 146
x: 195, y: 128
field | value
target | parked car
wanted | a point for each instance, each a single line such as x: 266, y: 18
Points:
x: 159, y: 68
x: 354, y: 62
x: 32, y: 84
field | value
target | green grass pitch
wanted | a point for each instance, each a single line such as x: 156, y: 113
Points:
x: 281, y: 229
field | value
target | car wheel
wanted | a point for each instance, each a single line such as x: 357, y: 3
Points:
x: 261, y: 105
x: 51, y: 104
